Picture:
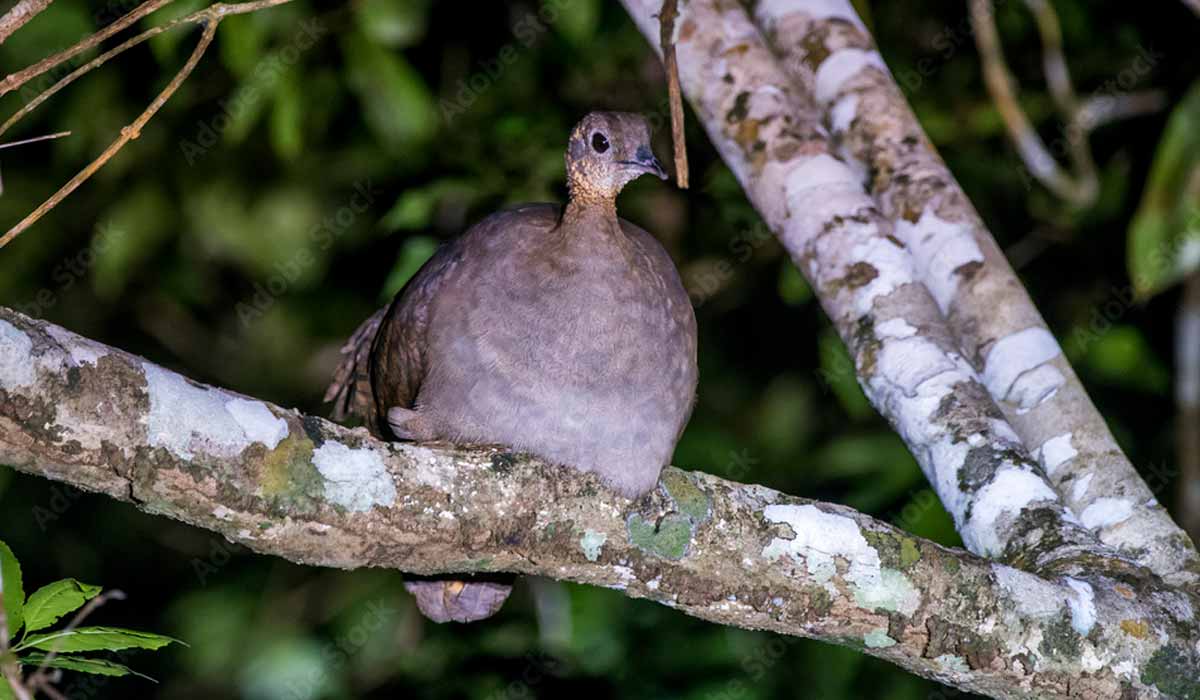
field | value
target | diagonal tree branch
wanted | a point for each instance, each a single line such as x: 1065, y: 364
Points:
x: 832, y: 60
x: 907, y: 359
x: 313, y: 492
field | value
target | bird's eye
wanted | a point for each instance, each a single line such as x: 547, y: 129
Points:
x: 599, y: 143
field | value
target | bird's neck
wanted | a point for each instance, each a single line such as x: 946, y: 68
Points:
x: 589, y: 207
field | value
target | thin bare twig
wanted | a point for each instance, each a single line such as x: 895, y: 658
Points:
x: 20, y: 13
x: 210, y: 17
x: 128, y: 133
x: 16, y: 80
x: 666, y: 22
x: 1080, y: 185
x: 35, y: 139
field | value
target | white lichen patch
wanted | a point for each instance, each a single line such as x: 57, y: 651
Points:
x: 257, y: 421
x: 16, y: 358
x: 892, y: 591
x: 591, y: 542
x: 1017, y: 354
x: 1055, y: 452
x: 894, y: 328
x: 1011, y: 490
x: 774, y: 10
x: 81, y: 350
x: 1036, y: 387
x: 940, y: 248
x: 1082, y: 604
x: 1106, y: 512
x: 187, y: 418
x: 843, y: 113
x: 820, y: 539
x: 355, y: 478
x: 1032, y: 595
x: 1079, y: 490
x: 840, y: 67
x: 951, y: 663
x: 878, y: 639
x: 908, y: 363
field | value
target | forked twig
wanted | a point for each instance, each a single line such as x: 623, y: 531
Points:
x: 209, y: 17
x: 1080, y: 184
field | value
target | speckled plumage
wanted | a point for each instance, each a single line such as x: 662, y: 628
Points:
x: 567, y: 334
x: 560, y: 331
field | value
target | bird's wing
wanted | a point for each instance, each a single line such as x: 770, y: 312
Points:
x: 350, y: 390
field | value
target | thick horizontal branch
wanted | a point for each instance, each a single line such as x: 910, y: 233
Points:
x: 832, y: 61
x: 310, y: 491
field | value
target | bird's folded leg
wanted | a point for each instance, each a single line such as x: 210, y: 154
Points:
x: 407, y: 424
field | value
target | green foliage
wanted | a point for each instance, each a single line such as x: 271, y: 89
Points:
x: 50, y: 602
x: 45, y: 607
x: 13, y: 593
x: 1164, y: 236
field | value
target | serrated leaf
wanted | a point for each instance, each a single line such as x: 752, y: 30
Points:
x: 95, y: 639
x: 99, y: 667
x: 50, y: 602
x: 13, y: 593
x: 1164, y: 236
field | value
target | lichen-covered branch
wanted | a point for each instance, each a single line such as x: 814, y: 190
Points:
x: 906, y: 357
x: 831, y: 60
x: 311, y: 491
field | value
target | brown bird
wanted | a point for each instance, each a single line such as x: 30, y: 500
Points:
x: 562, y: 332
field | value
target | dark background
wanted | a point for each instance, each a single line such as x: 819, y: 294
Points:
x: 220, y: 244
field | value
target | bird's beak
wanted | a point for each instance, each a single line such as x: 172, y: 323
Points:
x: 644, y: 160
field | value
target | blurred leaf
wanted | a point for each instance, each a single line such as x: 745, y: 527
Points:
x: 577, y: 20
x: 793, y: 288
x: 50, y: 602
x: 395, y: 24
x: 128, y: 237
x: 877, y: 466
x: 1123, y: 357
x: 13, y: 594
x: 413, y: 254
x: 240, y: 40
x: 6, y: 692
x: 297, y: 668
x: 98, y: 667
x: 397, y: 104
x: 837, y: 373
x: 287, y: 117
x: 1164, y: 236
x: 95, y: 639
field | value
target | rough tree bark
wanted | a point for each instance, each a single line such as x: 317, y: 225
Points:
x: 832, y: 59
x: 1093, y: 592
x: 314, y: 492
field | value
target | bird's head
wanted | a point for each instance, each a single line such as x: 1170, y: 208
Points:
x: 608, y: 150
